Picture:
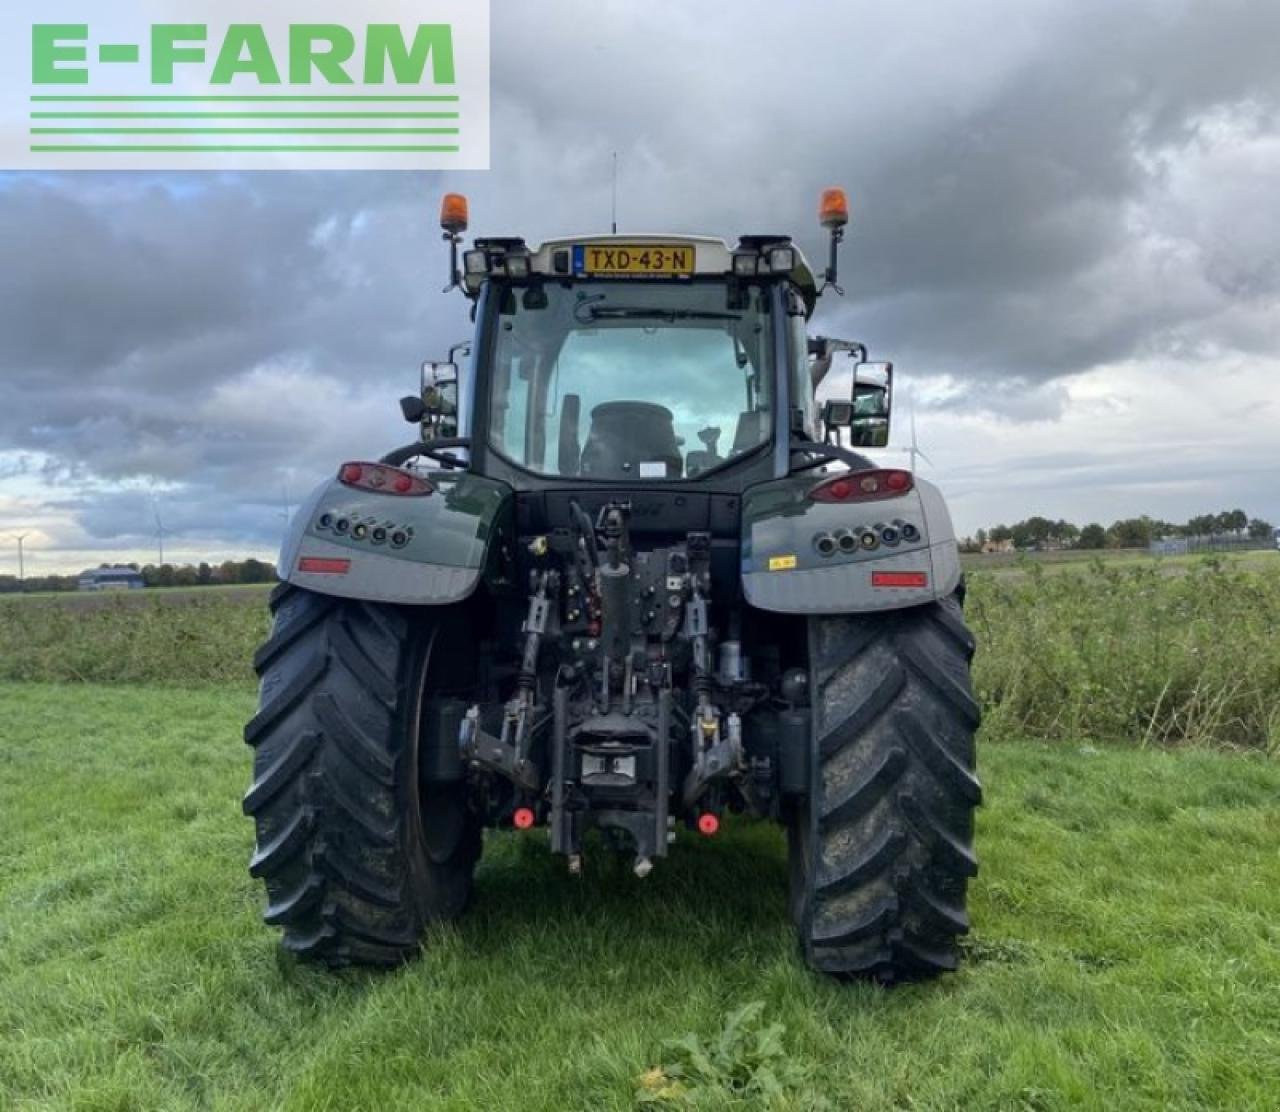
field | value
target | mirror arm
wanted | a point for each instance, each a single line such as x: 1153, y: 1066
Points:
x: 455, y: 275
x: 826, y: 453
x: 829, y: 278
x: 432, y: 449
x: 823, y: 350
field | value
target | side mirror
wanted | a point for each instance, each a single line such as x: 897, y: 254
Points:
x: 872, y: 403
x: 438, y: 400
x: 858, y: 397
x: 438, y: 374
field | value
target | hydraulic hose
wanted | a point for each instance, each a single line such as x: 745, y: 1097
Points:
x: 586, y: 530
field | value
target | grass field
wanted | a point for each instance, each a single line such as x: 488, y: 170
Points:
x: 1119, y: 650
x: 1018, y: 563
x: 1126, y: 950
x: 1126, y: 920
x: 1130, y: 654
x: 997, y: 563
x: 252, y: 593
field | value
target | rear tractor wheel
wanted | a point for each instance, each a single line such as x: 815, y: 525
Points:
x: 357, y: 855
x: 882, y: 852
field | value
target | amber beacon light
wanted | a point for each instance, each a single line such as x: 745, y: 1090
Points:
x: 453, y: 213
x: 833, y: 214
x: 833, y: 209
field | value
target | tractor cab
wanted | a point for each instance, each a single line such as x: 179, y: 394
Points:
x: 656, y: 359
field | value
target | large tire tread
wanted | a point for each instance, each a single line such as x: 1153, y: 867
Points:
x: 883, y: 851
x: 353, y: 873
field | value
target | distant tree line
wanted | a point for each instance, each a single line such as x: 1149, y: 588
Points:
x: 162, y: 575
x: 1131, y: 532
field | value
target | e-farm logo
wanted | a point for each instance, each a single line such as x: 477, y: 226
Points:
x: 243, y: 84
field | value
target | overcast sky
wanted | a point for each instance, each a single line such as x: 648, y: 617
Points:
x: 1066, y: 235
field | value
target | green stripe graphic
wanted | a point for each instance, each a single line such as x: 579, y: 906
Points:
x: 272, y: 97
x: 244, y: 115
x: 242, y: 149
x: 321, y: 109
x: 244, y: 131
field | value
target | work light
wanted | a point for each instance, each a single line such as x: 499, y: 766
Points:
x: 782, y: 260
x: 517, y: 266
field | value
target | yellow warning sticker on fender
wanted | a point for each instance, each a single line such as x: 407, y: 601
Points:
x: 781, y: 563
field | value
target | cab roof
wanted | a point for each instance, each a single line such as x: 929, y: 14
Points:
x: 713, y: 257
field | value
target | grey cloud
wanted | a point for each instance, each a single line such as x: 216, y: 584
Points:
x: 234, y: 278
x: 1001, y: 158
x: 1039, y: 188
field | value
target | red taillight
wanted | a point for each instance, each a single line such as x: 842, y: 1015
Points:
x: 323, y: 565
x: 899, y: 579
x: 382, y: 479
x: 864, y: 486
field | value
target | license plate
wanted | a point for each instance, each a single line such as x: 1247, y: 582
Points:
x: 661, y: 260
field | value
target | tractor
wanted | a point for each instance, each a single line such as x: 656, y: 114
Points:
x: 631, y: 575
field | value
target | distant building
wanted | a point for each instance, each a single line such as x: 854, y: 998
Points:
x: 1169, y: 546
x: 111, y: 579
x: 1214, y: 542
x: 989, y: 547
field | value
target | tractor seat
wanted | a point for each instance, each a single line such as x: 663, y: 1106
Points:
x: 625, y: 435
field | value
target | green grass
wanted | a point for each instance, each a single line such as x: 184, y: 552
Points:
x: 1112, y: 649
x: 123, y: 638
x: 241, y: 592
x: 1018, y: 563
x: 1126, y: 949
x: 1131, y: 655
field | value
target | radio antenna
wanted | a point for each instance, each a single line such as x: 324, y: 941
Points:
x: 615, y: 193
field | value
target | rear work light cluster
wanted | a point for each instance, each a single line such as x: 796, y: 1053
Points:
x: 775, y: 258
x: 381, y: 479
x: 496, y: 258
x: 864, y: 486
x: 485, y: 263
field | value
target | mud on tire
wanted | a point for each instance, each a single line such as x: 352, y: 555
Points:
x: 882, y: 854
x: 356, y: 858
